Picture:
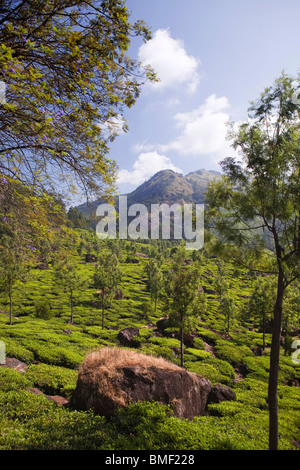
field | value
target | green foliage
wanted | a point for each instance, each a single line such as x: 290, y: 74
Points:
x: 33, y: 423
x: 12, y: 380
x: 52, y: 380
x: 254, y: 209
x: 230, y: 352
x: 107, y: 276
x: 59, y: 347
x: 43, y: 310
x: 61, y: 120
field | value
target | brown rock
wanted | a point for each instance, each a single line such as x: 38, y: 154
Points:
x: 220, y: 393
x: 111, y: 378
x: 127, y: 336
x: 60, y: 401
x: 118, y: 294
x: 14, y: 363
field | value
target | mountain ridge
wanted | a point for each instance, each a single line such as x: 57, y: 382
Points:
x: 165, y: 186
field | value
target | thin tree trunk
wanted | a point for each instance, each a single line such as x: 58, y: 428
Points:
x: 72, y: 307
x: 264, y: 331
x: 10, y: 308
x: 103, y: 308
x: 274, y: 365
x: 181, y: 347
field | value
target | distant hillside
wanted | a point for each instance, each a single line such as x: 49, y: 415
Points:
x: 168, y: 187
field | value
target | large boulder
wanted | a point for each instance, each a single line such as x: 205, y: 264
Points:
x: 113, y: 377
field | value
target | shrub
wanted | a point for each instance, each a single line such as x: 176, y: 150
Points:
x: 197, y: 354
x: 225, y: 369
x: 30, y: 422
x: 207, y: 370
x: 52, y: 380
x: 43, y: 310
x: 17, y: 350
x: 257, y: 367
x: 11, y: 379
x: 230, y: 352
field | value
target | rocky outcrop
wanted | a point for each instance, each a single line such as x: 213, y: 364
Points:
x: 111, y: 378
x: 127, y: 337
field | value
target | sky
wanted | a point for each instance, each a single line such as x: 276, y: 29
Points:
x: 212, y: 58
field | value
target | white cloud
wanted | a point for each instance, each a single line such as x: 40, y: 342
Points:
x: 170, y: 61
x: 147, y: 164
x: 203, y: 131
x: 114, y: 126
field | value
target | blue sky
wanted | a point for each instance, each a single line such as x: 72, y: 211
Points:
x: 212, y: 57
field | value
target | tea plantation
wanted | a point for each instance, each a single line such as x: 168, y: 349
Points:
x: 42, y: 336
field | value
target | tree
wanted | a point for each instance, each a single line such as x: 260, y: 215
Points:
x: 291, y: 307
x: 67, y: 275
x: 255, y: 207
x: 107, y: 276
x: 154, y: 280
x: 221, y: 283
x: 14, y: 266
x: 227, y: 307
x: 68, y: 79
x: 261, y: 303
x: 27, y: 225
x: 181, y: 290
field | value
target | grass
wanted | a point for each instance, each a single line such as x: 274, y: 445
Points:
x: 54, y: 350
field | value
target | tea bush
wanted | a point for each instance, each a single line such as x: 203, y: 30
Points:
x: 11, y: 379
x: 30, y: 422
x: 43, y: 310
x: 230, y: 352
x: 52, y: 380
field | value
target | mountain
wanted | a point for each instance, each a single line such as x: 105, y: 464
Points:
x: 168, y: 187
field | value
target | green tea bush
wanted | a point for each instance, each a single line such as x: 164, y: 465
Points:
x: 18, y: 351
x: 225, y: 369
x: 43, y: 310
x: 197, y: 354
x: 198, y: 343
x: 158, y: 351
x: 230, y: 352
x: 11, y: 379
x: 252, y: 393
x: 208, y: 371
x: 225, y: 408
x: 52, y: 380
x: 207, y: 335
x: 30, y: 422
x: 257, y: 367
x: 163, y: 341
x: 56, y: 355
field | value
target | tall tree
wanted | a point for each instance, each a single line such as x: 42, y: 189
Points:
x: 28, y: 225
x: 107, y: 276
x: 181, y: 290
x: 154, y: 280
x: 68, y: 78
x: 227, y: 308
x: 71, y: 279
x: 255, y: 207
x: 14, y: 266
x: 261, y: 303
